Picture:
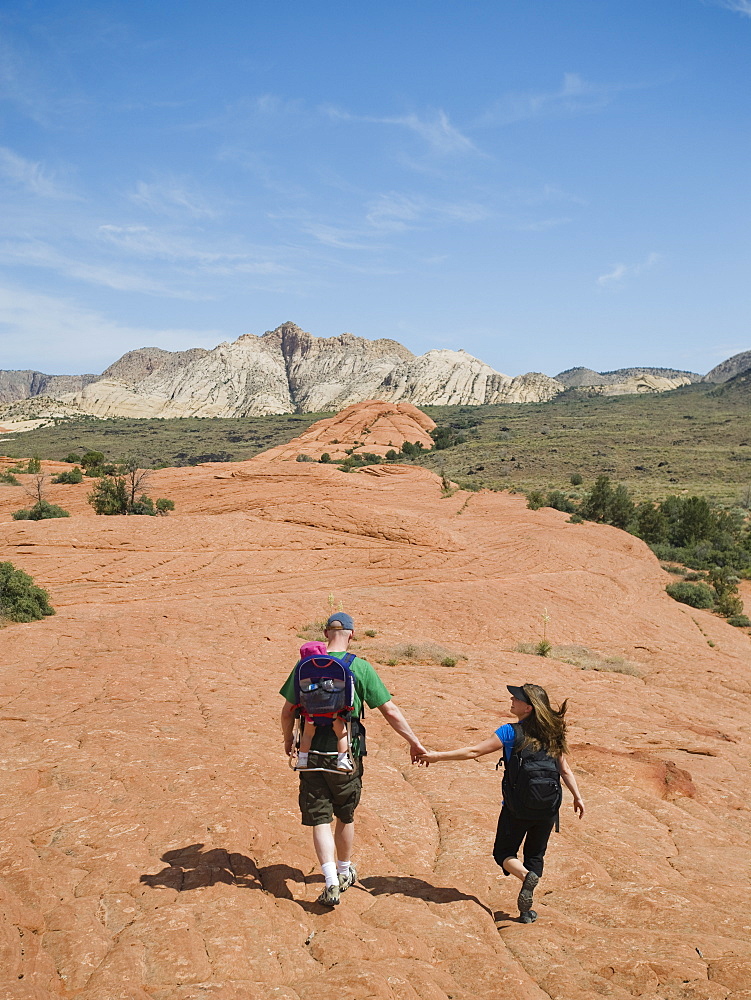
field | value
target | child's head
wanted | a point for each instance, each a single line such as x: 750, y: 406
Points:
x: 312, y: 649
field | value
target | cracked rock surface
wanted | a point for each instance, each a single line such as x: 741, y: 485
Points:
x: 150, y: 843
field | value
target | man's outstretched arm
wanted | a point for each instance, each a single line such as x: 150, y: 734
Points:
x: 393, y: 715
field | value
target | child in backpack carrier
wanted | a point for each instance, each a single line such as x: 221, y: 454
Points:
x: 343, y: 757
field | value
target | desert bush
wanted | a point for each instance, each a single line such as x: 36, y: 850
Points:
x: 729, y: 606
x: 20, y: 599
x: 8, y: 478
x: 40, y: 511
x: 371, y: 633
x: 446, y: 437
x: 72, y: 476
x: 304, y: 458
x: 576, y: 479
x: 696, y: 595
x: 118, y: 494
x: 325, y: 458
x: 739, y: 621
x: 543, y: 648
x: 576, y: 519
x: 535, y: 499
x: 92, y: 462
x: 559, y: 501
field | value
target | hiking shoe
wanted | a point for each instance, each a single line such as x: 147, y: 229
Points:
x: 528, y: 917
x: 329, y: 896
x: 524, y: 899
x: 344, y: 762
x: 345, y: 881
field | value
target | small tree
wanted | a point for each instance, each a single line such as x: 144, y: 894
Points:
x: 41, y: 511
x: 596, y: 505
x: 92, y: 462
x: 20, y: 599
x: 576, y: 479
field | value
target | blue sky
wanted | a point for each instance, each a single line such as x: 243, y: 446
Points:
x: 543, y: 183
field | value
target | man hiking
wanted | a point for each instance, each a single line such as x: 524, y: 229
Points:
x: 326, y: 793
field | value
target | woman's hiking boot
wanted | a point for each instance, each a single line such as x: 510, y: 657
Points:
x: 345, y: 881
x: 528, y: 917
x: 524, y: 899
x: 329, y: 896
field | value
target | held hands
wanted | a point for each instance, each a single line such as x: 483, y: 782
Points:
x: 417, y: 752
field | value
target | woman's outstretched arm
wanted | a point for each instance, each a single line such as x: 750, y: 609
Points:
x: 568, y: 779
x: 491, y: 745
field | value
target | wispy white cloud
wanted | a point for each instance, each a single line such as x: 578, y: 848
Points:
x: 620, y: 272
x: 45, y: 326
x: 435, y: 128
x: 574, y: 96
x: 30, y: 175
x: 542, y: 225
x: 738, y: 6
x: 40, y: 254
x: 398, y: 212
x: 173, y: 197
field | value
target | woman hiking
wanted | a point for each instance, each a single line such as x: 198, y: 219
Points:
x: 534, y: 755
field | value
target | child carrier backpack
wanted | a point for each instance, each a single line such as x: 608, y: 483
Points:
x: 325, y: 691
x: 531, y: 782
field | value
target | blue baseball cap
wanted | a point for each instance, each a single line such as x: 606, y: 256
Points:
x: 341, y: 621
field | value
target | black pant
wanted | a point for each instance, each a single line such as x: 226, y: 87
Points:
x: 512, y: 831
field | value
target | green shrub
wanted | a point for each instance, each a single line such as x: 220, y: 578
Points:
x: 304, y: 458
x: 92, y: 462
x: 41, y: 511
x: 740, y: 621
x: 535, y: 499
x: 558, y: 501
x: 164, y: 506
x: 446, y: 437
x: 109, y: 496
x: 325, y: 458
x: 576, y: 519
x: 20, y: 599
x: 8, y: 478
x: 391, y: 455
x: 696, y: 595
x: 448, y: 661
x: 34, y: 466
x: 71, y: 477
x: 72, y: 458
x: 729, y: 606
x: 371, y: 633
x: 576, y: 479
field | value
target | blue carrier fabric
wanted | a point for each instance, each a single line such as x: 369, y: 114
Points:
x: 325, y: 688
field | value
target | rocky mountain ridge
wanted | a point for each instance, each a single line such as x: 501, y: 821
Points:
x: 287, y: 370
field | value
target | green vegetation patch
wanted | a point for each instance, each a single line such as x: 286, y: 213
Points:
x: 20, y: 599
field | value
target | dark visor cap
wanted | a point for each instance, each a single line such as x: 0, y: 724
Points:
x: 340, y: 621
x: 519, y: 693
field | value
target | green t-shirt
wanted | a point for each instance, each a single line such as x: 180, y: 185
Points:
x: 369, y: 688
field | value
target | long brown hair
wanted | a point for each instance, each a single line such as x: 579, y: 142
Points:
x: 545, y: 727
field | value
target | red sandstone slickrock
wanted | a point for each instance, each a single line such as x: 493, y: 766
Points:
x: 150, y: 844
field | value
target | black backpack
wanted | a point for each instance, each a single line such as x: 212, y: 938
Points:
x: 531, y: 782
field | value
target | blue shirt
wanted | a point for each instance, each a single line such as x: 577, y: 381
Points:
x: 507, y: 736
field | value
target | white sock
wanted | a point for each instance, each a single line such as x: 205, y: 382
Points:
x: 342, y: 867
x: 329, y: 873
x: 302, y: 757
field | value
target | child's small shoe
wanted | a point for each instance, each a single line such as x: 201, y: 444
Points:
x: 344, y: 762
x: 301, y: 763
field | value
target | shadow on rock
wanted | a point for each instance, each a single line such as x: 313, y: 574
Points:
x: 193, y: 868
x: 379, y: 885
